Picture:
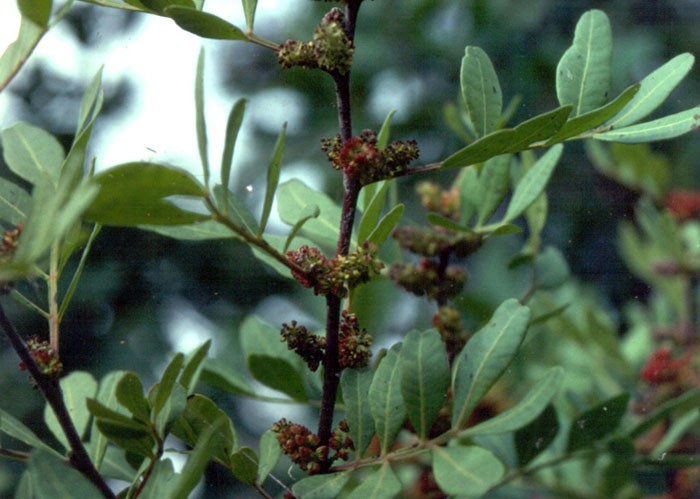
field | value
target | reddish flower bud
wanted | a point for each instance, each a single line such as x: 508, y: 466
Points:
x: 683, y: 205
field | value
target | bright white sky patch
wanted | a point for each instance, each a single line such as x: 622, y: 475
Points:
x: 159, y: 122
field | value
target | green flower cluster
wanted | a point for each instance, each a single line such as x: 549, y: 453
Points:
x: 354, y: 343
x: 434, y: 241
x: 336, y: 275
x: 331, y: 50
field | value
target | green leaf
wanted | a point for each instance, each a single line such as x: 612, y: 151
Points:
x: 160, y: 5
x: 597, y: 422
x: 386, y: 225
x: 269, y: 360
x: 636, y: 166
x: 583, y: 73
x: 249, y: 7
x: 533, y: 183
x: 380, y: 483
x: 683, y: 402
x: 273, y: 177
x: 224, y: 376
x: 37, y: 11
x: 18, y: 51
x: 493, y: 186
x: 90, y: 104
x: 72, y: 169
x: 309, y: 212
x: 161, y: 482
x: 200, y: 119
x: 551, y: 269
x: 76, y: 388
x: 293, y: 200
x: 134, y: 439
x: 197, y: 231
x: 53, y: 479
x: 14, y: 428
x: 127, y: 433
x: 172, y: 409
x: 200, y: 415
x: 654, y: 89
x: 664, y: 128
x: 235, y: 210
x: 425, y: 378
x: 385, y: 400
x: 481, y: 90
x: 321, y: 486
x: 244, y: 465
x: 32, y: 153
x: 278, y: 374
x: 373, y: 211
x: 447, y: 223
x: 233, y: 126
x: 15, y: 202
x: 675, y: 432
x: 204, y: 24
x: 107, y: 396
x: 525, y: 411
x: 205, y: 448
x: 466, y: 469
x: 270, y: 452
x: 130, y: 395
x: 135, y: 194
x: 24, y: 487
x: 355, y: 384
x: 485, y: 357
x: 193, y: 367
x: 594, y: 118
x: 115, y: 464
x: 165, y: 386
x: 534, y: 438
x: 384, y: 131
x: 510, y: 140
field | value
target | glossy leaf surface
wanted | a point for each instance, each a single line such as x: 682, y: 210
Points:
x: 481, y: 90
x: 583, y: 73
x: 664, y: 128
x: 654, y: 89
x: 355, y: 385
x: 597, y: 422
x: 510, y: 140
x: 136, y: 193
x: 485, y: 357
x: 471, y: 470
x: 380, y: 483
x: 204, y: 24
x: 533, y: 183
x: 54, y: 479
x: 425, y: 378
x: 385, y: 400
x: 76, y: 387
x: 526, y: 410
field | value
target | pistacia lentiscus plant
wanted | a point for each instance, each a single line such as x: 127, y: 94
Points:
x: 539, y: 397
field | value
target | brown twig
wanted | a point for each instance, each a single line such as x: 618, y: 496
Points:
x: 351, y: 192
x: 51, y: 390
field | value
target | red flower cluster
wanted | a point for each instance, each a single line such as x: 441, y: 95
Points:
x: 360, y: 157
x: 683, y: 205
x: 44, y: 356
x: 662, y: 367
x: 304, y: 447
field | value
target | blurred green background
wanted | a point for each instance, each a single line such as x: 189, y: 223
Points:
x: 143, y: 296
